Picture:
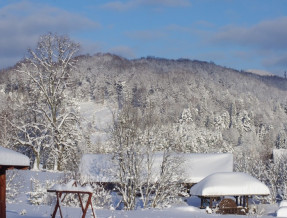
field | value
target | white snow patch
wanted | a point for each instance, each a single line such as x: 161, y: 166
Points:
x: 259, y: 72
x: 283, y: 204
x: 282, y: 212
x: 9, y: 157
x: 229, y: 184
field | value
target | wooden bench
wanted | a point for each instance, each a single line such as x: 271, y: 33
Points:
x: 229, y: 206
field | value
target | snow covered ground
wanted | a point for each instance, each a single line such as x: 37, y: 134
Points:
x: 15, y: 211
x: 22, y: 207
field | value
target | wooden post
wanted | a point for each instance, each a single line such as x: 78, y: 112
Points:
x: 201, y: 203
x: 58, y: 194
x: 87, y: 205
x: 246, y: 201
x: 211, y: 202
x: 2, y: 192
x: 236, y: 198
x: 92, y: 206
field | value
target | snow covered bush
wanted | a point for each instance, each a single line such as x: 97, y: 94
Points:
x: 102, y: 198
x: 273, y: 174
x: 167, y: 188
x: 13, y: 185
x: 38, y: 194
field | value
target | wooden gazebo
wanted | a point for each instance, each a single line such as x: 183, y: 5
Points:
x: 9, y: 159
x: 222, y: 186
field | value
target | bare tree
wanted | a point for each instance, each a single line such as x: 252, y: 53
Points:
x: 48, y: 70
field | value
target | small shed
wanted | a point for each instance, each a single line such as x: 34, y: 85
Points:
x: 239, y: 185
x: 100, y: 168
x: 9, y: 159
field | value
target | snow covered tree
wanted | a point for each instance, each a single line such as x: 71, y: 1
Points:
x: 127, y: 154
x: 48, y: 72
x: 144, y: 171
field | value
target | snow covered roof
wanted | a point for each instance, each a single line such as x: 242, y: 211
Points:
x: 9, y: 157
x: 229, y: 184
x: 193, y: 167
x: 198, y: 166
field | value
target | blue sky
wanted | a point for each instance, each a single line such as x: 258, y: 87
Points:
x: 241, y: 34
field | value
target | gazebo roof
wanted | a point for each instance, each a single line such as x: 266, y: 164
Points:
x: 229, y: 184
x: 9, y: 157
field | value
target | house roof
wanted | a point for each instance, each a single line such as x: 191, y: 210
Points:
x: 229, y: 184
x: 192, y: 168
x: 9, y: 157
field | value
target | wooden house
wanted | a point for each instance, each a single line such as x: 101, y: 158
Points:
x: 100, y: 168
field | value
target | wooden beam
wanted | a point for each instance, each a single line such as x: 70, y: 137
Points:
x: 2, y: 193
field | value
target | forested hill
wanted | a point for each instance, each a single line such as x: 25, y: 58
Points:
x: 205, y: 107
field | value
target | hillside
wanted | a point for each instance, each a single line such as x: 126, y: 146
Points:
x: 228, y: 108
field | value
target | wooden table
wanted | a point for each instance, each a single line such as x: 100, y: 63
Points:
x: 59, y: 194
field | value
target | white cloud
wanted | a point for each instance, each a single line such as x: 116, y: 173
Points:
x: 123, y: 6
x: 269, y: 34
x: 22, y: 23
x: 276, y: 61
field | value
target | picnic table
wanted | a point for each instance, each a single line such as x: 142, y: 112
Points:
x: 72, y: 188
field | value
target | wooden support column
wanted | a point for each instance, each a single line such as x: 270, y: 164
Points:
x: 236, y: 198
x: 2, y: 192
x: 246, y: 201
x: 201, y: 203
x: 210, y: 203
